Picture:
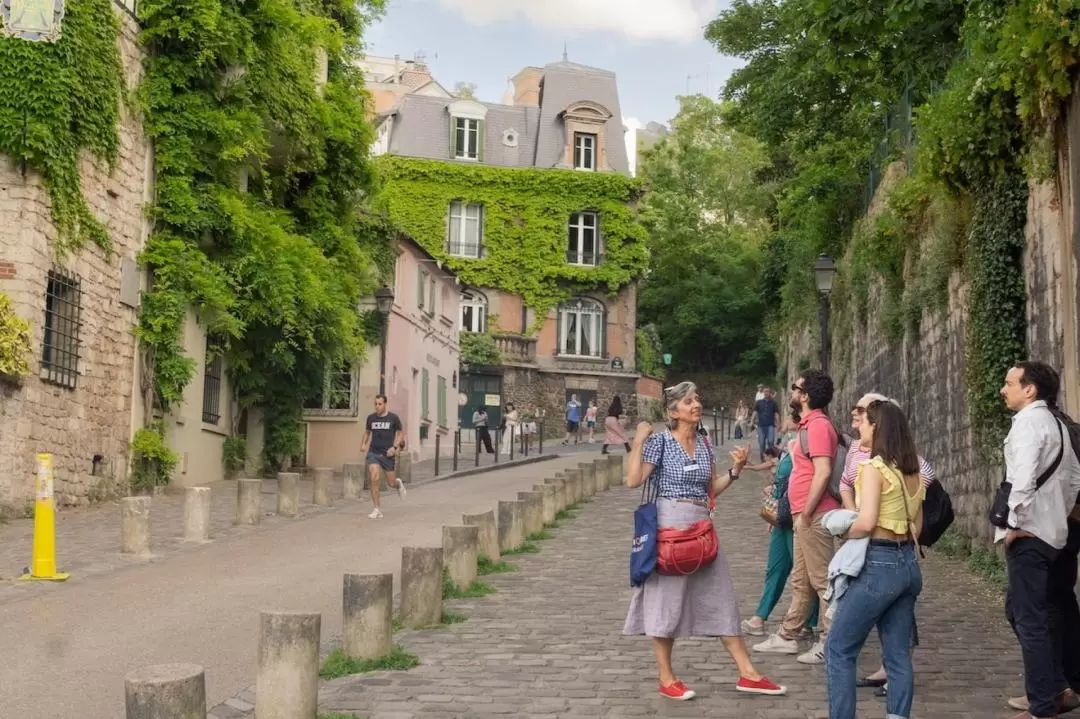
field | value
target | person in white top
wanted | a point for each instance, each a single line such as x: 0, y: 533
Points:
x: 1037, y: 527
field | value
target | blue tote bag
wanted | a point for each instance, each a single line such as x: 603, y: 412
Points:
x: 646, y: 525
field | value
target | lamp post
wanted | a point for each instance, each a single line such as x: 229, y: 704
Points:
x: 384, y: 302
x: 824, y: 275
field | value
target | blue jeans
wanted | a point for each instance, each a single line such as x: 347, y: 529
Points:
x: 766, y: 437
x: 884, y: 594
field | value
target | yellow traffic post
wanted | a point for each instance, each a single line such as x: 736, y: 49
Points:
x: 43, y: 560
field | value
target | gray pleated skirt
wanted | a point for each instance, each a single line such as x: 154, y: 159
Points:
x: 702, y: 604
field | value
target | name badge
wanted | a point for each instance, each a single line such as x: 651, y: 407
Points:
x: 690, y: 467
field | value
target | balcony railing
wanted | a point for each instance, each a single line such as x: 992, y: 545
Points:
x: 515, y: 348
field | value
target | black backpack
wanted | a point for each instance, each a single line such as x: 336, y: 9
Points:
x: 937, y: 512
x: 843, y: 443
x: 1073, y: 429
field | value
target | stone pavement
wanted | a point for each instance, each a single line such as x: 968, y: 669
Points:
x: 548, y: 644
x: 88, y: 539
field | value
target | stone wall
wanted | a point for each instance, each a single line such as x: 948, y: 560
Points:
x: 534, y: 390
x: 92, y: 421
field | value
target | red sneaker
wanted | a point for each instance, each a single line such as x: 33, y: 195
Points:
x: 760, y: 686
x: 677, y: 691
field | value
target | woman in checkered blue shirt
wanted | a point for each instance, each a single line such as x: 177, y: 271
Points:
x: 702, y: 604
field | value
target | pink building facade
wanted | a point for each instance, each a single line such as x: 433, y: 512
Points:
x: 422, y: 365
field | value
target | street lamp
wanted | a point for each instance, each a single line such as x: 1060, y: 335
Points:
x: 384, y: 302
x: 824, y: 275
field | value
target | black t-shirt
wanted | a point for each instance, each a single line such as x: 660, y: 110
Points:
x: 766, y: 412
x: 383, y: 429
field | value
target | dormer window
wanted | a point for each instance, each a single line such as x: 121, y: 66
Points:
x: 467, y: 130
x: 584, y: 151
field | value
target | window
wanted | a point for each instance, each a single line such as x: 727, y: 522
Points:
x: 473, y: 312
x: 584, y: 151
x: 466, y: 229
x: 211, y: 402
x: 421, y: 287
x: 583, y: 247
x: 581, y: 328
x: 60, y: 345
x: 338, y: 395
x: 424, y: 382
x: 440, y: 400
x: 468, y: 134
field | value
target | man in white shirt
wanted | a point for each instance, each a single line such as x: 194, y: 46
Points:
x: 1037, y: 527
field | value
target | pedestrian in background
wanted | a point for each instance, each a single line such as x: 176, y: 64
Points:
x: 480, y: 424
x: 614, y: 432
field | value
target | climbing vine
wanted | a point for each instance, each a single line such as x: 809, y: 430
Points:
x: 58, y: 100
x: 14, y: 341
x: 261, y: 166
x: 526, y: 214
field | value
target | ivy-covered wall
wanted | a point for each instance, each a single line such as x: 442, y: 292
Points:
x: 526, y: 215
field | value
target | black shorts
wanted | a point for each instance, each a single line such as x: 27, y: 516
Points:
x: 382, y: 460
x: 572, y: 426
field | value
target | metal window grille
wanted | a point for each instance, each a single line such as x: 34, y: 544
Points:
x: 211, y: 403
x: 63, y: 319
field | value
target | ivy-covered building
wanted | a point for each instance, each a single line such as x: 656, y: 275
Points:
x: 532, y: 205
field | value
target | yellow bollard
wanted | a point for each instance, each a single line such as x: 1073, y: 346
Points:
x: 43, y: 560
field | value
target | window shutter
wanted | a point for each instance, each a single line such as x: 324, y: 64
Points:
x: 480, y: 140
x: 419, y: 288
x: 558, y: 330
x: 453, y: 137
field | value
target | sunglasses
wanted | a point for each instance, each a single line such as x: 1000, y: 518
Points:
x: 858, y: 410
x: 797, y: 388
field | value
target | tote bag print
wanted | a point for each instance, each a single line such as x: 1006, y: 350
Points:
x: 646, y: 525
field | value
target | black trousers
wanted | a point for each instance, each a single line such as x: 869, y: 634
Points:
x: 1029, y: 562
x: 484, y: 437
x: 1064, y: 611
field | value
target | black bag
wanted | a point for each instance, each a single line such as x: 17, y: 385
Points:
x: 937, y: 514
x: 843, y: 443
x: 999, y: 510
x: 784, y: 519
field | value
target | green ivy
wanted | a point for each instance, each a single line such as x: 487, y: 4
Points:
x: 526, y: 213
x: 14, y: 341
x: 275, y: 273
x: 648, y: 352
x: 60, y: 99
x: 152, y: 462
x: 478, y: 348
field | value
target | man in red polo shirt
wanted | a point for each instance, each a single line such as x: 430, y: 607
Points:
x: 810, y: 500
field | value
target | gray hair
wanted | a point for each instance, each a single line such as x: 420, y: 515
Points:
x: 675, y: 394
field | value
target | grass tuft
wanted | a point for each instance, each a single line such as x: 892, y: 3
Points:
x: 452, y: 618
x: 525, y: 547
x: 540, y: 536
x: 476, y: 589
x: 338, y: 715
x: 486, y: 565
x: 340, y: 665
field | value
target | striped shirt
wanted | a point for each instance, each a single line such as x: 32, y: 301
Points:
x: 857, y: 455
x: 678, y: 475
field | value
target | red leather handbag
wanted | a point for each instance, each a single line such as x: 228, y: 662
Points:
x: 684, y: 551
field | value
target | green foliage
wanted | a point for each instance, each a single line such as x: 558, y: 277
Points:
x: 526, y: 213
x: 486, y: 565
x: 14, y: 341
x: 234, y: 455
x: 152, y: 462
x: 476, y: 589
x: 478, y: 348
x: 449, y: 618
x: 526, y: 547
x: 649, y: 352
x: 338, y: 664
x: 58, y: 100
x: 542, y: 536
x: 277, y: 271
x: 705, y: 215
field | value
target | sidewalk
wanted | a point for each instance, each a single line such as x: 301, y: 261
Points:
x: 549, y: 643
x: 67, y: 647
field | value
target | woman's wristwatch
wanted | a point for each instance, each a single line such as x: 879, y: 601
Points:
x: 731, y: 473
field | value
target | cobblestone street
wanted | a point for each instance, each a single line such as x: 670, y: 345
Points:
x: 548, y: 644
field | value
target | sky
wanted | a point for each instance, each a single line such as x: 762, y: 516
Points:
x: 656, y: 54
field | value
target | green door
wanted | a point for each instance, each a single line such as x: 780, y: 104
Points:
x: 482, y: 389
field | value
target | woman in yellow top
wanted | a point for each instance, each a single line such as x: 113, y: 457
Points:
x: 889, y: 496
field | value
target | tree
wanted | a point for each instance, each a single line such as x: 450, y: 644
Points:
x: 465, y: 90
x: 705, y: 212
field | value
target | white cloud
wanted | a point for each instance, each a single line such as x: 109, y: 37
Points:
x: 632, y: 125
x: 679, y: 20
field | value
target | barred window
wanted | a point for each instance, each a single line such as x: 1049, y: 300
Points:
x: 338, y: 395
x: 211, y: 400
x: 60, y: 345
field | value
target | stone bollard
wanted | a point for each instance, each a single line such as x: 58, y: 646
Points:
x: 197, y: 514
x: 588, y: 478
x: 511, y: 525
x: 288, y: 495
x: 487, y: 543
x: 616, y: 477
x: 404, y: 467
x: 354, y: 480
x: 322, y: 487
x: 249, y: 501
x: 549, y: 511
x: 559, y: 483
x: 135, y: 525
x: 459, y: 547
x: 166, y: 691
x: 367, y: 615
x: 533, y: 512
x: 574, y: 480
x: 600, y: 467
x: 287, y: 683
x: 421, y: 586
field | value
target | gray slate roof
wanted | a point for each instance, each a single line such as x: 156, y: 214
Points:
x: 422, y: 124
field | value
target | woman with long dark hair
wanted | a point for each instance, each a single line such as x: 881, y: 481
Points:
x: 613, y: 428
x: 889, y: 495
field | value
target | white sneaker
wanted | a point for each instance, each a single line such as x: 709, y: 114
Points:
x: 776, y: 644
x: 816, y: 654
x: 753, y: 630
x: 401, y: 489
x: 375, y: 514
